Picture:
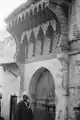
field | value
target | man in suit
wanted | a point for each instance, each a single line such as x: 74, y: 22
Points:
x: 23, y: 109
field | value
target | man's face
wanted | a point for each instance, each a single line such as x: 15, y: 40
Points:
x: 25, y: 98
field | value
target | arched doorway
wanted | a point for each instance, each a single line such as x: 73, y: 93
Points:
x: 42, y: 92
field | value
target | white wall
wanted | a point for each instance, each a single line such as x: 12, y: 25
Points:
x: 9, y: 52
x: 53, y: 65
x: 10, y: 84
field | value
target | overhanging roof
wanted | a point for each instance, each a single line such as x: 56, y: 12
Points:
x: 27, y: 4
x: 18, y: 10
x: 11, y: 67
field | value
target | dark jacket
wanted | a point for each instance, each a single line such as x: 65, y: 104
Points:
x: 2, y: 118
x: 22, y: 112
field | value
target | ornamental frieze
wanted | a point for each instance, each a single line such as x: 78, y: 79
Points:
x: 40, y: 40
x: 45, y: 26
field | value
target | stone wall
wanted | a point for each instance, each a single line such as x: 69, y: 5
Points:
x: 55, y: 67
x: 74, y: 65
x: 74, y: 84
x: 10, y: 85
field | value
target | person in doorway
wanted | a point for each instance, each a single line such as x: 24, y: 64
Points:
x: 23, y: 109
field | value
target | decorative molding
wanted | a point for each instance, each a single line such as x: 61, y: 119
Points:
x: 45, y: 26
x: 28, y: 34
x: 36, y: 30
x: 53, y: 23
x: 58, y: 23
x: 63, y: 24
x: 76, y: 32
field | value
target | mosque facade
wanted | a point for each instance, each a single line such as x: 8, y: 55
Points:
x: 47, y: 36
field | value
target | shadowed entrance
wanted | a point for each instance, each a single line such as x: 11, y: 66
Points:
x: 42, y: 91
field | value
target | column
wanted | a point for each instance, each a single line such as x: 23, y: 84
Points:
x: 21, y: 70
x: 62, y: 89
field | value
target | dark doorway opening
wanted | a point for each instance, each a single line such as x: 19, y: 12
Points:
x: 13, y: 103
x: 43, y: 104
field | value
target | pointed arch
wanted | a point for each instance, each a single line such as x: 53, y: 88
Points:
x: 42, y: 88
x: 35, y: 18
x: 40, y: 37
x: 25, y: 44
x: 50, y: 35
x: 50, y: 31
x: 32, y: 37
x: 32, y: 40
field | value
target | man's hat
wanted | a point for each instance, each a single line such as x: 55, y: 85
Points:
x: 24, y: 94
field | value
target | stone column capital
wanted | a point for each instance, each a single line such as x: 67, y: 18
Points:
x: 63, y: 56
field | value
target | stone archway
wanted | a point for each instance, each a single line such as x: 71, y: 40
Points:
x: 57, y: 68
x: 42, y: 92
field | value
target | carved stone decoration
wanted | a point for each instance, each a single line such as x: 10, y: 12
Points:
x: 22, y: 37
x: 50, y: 35
x: 30, y: 50
x: 25, y: 43
x: 62, y: 93
x: 77, y: 73
x: 44, y: 26
x: 74, y: 83
x: 40, y: 37
x: 76, y: 32
x: 38, y: 47
x: 62, y: 26
x: 36, y: 31
x: 28, y: 34
x: 32, y: 43
x: 50, y: 31
x: 47, y: 13
x: 54, y: 25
